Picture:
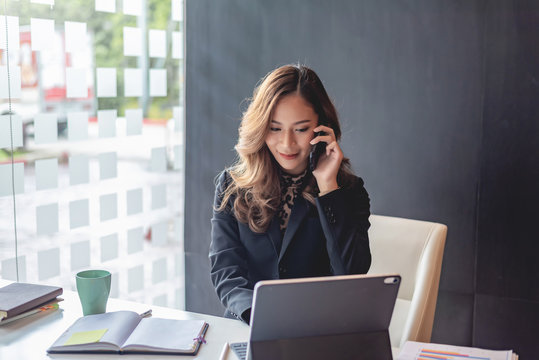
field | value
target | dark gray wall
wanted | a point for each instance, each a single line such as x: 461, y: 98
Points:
x: 507, y: 281
x: 438, y: 104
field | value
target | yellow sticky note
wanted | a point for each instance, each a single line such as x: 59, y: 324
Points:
x: 86, y: 337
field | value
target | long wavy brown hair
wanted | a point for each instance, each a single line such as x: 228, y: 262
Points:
x: 255, y: 175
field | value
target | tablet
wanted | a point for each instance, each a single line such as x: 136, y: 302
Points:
x: 336, y: 313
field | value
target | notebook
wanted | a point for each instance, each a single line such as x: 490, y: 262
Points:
x: 46, y: 308
x: 336, y: 317
x: 18, y: 298
x: 128, y: 332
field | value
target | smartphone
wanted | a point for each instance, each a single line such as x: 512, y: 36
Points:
x: 317, y: 149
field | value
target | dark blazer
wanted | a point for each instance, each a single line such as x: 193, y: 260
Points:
x: 327, y: 239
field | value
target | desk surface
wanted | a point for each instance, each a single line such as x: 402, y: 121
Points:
x: 29, y: 338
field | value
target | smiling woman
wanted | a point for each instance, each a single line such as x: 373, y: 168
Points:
x: 289, y: 138
x: 275, y: 217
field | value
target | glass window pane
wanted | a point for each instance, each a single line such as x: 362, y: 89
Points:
x: 91, y: 106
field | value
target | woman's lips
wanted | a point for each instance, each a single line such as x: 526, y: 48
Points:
x: 289, y: 156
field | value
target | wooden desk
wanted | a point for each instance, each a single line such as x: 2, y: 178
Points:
x: 29, y: 338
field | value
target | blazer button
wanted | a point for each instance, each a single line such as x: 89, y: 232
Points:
x: 329, y: 214
x: 282, y: 270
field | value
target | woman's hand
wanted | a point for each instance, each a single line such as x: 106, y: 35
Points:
x: 329, y: 162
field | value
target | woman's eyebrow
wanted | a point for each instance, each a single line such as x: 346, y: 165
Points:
x: 296, y: 123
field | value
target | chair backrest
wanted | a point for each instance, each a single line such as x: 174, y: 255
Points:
x: 414, y: 249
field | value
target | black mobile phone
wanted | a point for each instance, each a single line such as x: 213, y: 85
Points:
x: 317, y: 149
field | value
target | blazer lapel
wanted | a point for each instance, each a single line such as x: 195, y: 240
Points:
x: 275, y: 234
x: 299, y: 211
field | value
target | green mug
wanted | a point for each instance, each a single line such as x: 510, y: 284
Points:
x: 93, y: 287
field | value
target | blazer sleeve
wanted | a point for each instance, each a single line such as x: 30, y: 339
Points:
x: 344, y: 215
x: 228, y: 264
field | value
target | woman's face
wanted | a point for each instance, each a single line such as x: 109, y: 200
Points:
x: 291, y: 130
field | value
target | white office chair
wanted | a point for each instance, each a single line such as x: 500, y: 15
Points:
x: 414, y: 249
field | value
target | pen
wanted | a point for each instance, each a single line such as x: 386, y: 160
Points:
x: 224, y: 353
x: 146, y: 314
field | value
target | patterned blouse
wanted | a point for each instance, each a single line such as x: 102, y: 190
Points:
x: 291, y: 185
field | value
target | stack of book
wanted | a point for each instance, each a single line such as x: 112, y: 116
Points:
x: 19, y: 300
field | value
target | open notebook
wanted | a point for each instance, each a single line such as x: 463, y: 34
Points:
x: 128, y: 332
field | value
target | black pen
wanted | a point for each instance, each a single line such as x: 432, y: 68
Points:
x: 146, y: 314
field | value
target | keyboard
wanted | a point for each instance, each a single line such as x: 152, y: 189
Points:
x: 240, y: 349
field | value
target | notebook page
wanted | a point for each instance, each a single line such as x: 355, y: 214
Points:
x: 165, y: 335
x: 118, y: 324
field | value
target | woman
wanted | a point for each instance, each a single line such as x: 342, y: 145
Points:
x: 273, y: 217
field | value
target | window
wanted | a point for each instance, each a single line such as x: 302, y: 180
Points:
x: 91, y: 144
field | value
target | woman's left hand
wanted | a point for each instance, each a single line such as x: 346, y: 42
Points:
x: 329, y: 162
